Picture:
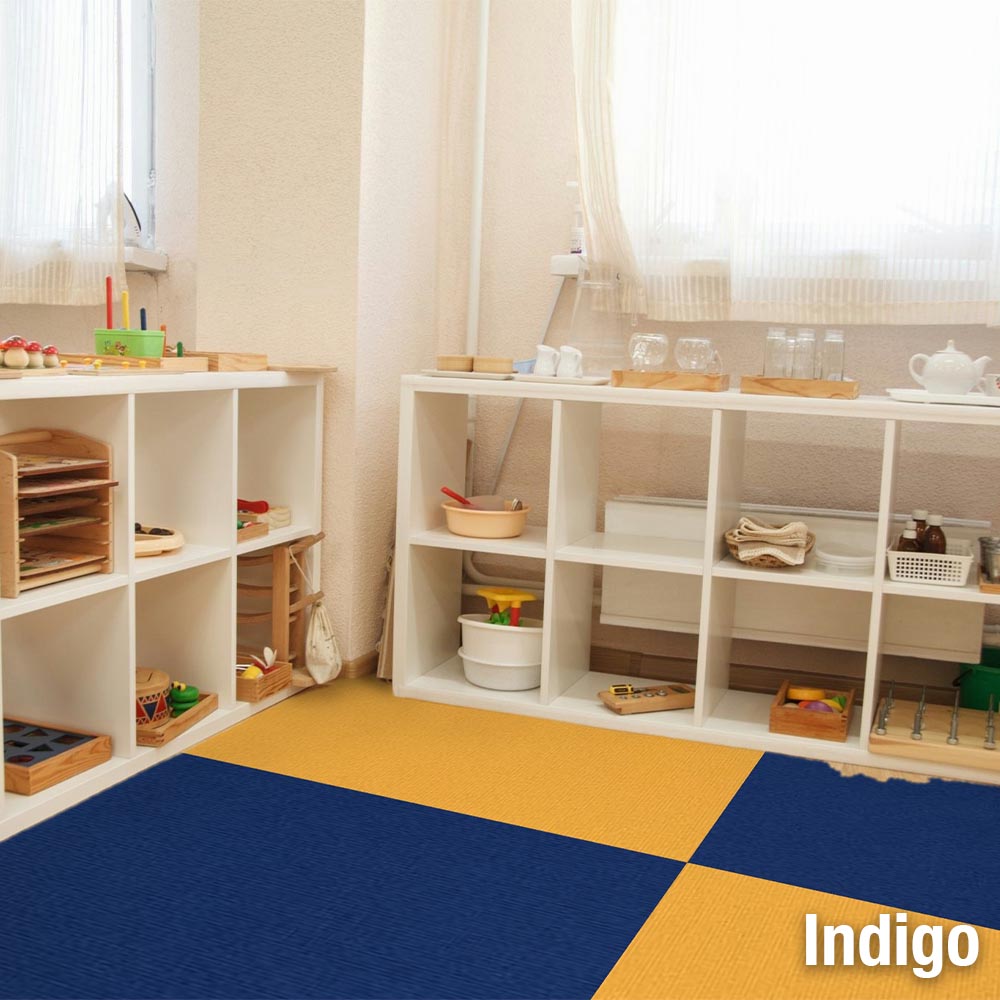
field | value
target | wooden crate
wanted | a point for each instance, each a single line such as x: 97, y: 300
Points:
x: 156, y: 736
x: 40, y: 471
x: 758, y: 385
x: 686, y: 381
x: 257, y: 688
x: 797, y: 721
x: 29, y: 778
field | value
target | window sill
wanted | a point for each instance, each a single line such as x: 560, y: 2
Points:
x: 141, y: 259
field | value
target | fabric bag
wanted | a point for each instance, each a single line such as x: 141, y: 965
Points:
x: 323, y: 659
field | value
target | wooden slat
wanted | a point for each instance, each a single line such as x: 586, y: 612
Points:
x: 812, y: 388
x: 685, y: 381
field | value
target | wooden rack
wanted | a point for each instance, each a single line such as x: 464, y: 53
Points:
x: 55, y: 515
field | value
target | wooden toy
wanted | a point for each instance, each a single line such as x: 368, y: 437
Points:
x: 802, y: 718
x: 152, y: 697
x: 116, y: 362
x: 182, y: 698
x: 254, y: 687
x: 37, y: 755
x: 664, y: 697
x: 157, y: 736
x: 156, y: 541
x: 42, y: 471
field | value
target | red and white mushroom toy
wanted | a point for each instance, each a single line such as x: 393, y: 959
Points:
x: 50, y: 356
x: 15, y: 355
x: 34, y: 350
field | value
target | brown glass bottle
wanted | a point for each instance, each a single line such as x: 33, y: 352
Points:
x: 908, y: 542
x: 934, y: 540
x: 920, y: 516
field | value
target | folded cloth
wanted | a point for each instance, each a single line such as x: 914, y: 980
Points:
x: 790, y: 555
x: 794, y: 534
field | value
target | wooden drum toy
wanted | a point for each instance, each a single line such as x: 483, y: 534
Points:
x: 152, y: 697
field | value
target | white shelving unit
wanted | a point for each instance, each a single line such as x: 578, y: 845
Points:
x: 432, y: 452
x: 185, y: 446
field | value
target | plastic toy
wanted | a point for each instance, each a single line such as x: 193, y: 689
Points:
x: 505, y: 604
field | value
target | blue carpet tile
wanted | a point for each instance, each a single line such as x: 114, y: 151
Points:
x: 205, y: 879
x: 930, y: 848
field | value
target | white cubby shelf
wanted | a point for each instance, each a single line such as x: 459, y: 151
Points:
x: 184, y: 447
x: 429, y: 565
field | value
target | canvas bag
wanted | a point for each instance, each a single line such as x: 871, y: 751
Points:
x: 323, y: 659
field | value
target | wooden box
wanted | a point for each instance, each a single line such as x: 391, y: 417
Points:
x: 687, y: 381
x: 55, y: 508
x: 57, y: 754
x: 813, y: 388
x: 254, y: 529
x: 257, y: 688
x: 219, y: 361
x: 797, y: 721
x: 156, y: 736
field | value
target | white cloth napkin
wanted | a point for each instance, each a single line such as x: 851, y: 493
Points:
x: 786, y: 542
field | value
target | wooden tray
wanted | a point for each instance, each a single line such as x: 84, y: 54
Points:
x: 256, y: 688
x: 248, y: 531
x: 802, y: 722
x: 933, y: 743
x: 184, y: 364
x: 27, y: 779
x: 757, y: 385
x: 659, y: 698
x: 986, y: 586
x: 229, y: 362
x: 687, y: 381
x: 156, y: 736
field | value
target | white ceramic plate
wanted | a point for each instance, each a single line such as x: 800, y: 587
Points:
x: 923, y: 396
x: 487, y: 375
x: 583, y: 380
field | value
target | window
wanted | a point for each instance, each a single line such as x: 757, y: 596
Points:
x: 779, y: 160
x: 138, y: 115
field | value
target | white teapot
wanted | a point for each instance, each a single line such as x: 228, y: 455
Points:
x: 949, y: 372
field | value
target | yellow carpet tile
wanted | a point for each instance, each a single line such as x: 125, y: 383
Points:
x: 718, y: 936
x: 643, y: 793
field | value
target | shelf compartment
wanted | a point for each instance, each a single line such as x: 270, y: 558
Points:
x: 149, y: 567
x: 158, y: 736
x: 280, y: 536
x: 60, y: 593
x: 529, y: 544
x: 448, y: 680
x: 669, y: 555
x: 796, y: 576
x: 970, y: 592
x: 747, y: 714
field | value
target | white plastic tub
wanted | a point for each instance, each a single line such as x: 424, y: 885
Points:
x: 503, y: 644
x: 501, y: 676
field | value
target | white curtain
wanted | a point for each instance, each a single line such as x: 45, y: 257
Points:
x: 60, y: 151
x: 829, y: 161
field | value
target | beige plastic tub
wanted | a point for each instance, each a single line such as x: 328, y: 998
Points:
x: 484, y: 523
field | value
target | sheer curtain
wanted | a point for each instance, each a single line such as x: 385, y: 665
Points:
x: 60, y: 142
x: 788, y: 161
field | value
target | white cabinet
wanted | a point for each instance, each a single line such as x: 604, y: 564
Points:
x: 432, y: 453
x: 185, y: 446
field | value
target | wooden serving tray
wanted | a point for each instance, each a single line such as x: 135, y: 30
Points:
x: 813, y: 388
x: 182, y: 364
x: 659, y: 698
x: 62, y: 758
x: 686, y: 381
x: 156, y: 736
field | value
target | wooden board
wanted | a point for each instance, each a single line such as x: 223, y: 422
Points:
x: 58, y: 755
x: 58, y: 485
x: 686, y: 381
x: 183, y: 364
x: 933, y: 743
x: 985, y: 586
x: 308, y: 369
x: 795, y: 721
x: 663, y: 697
x: 156, y: 736
x: 227, y: 362
x: 256, y: 688
x: 814, y: 388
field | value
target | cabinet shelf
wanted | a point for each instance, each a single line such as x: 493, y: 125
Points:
x: 970, y: 592
x: 60, y: 593
x: 149, y: 567
x: 669, y: 555
x: 794, y: 576
x: 277, y: 537
x: 448, y: 681
x: 530, y: 544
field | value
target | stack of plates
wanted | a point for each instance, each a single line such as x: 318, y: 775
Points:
x: 848, y: 560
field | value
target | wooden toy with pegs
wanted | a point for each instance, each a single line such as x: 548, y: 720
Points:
x: 37, y: 755
x: 965, y: 737
x: 628, y: 700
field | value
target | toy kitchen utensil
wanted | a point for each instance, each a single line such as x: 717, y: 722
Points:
x: 949, y: 372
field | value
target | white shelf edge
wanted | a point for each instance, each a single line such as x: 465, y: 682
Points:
x: 623, y: 551
x: 279, y: 537
x: 969, y: 593
x: 793, y: 576
x: 53, y: 594
x: 530, y: 544
x: 151, y: 567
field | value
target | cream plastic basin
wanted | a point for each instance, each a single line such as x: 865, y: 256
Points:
x: 509, y: 645
x: 501, y: 676
x: 484, y: 523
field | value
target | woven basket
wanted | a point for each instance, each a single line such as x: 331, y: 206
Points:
x: 764, y: 561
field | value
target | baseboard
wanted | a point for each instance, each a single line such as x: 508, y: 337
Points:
x: 360, y: 666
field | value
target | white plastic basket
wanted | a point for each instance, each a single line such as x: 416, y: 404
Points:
x: 950, y: 569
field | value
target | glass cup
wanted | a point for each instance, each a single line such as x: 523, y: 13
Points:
x: 694, y: 354
x: 648, y: 351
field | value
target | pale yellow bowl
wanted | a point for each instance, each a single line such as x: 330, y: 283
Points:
x: 484, y: 523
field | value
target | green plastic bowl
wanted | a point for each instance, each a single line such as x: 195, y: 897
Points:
x: 129, y: 343
x: 978, y: 681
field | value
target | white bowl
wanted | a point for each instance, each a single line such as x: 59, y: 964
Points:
x: 507, y: 644
x: 501, y: 676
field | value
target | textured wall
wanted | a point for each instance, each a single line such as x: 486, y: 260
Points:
x: 279, y: 172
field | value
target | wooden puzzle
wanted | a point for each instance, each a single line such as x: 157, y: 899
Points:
x: 628, y: 700
x: 37, y: 756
